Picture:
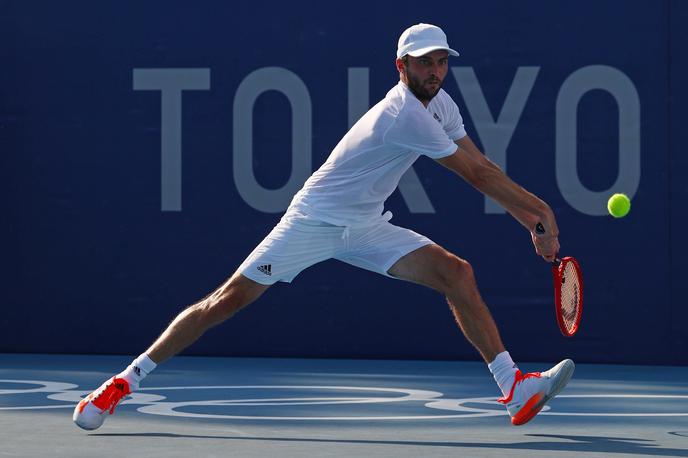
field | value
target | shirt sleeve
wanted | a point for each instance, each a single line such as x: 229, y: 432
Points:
x: 453, y: 123
x: 416, y: 130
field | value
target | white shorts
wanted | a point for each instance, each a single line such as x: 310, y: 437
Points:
x: 299, y: 241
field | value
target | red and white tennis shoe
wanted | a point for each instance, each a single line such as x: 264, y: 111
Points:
x: 530, y: 392
x: 91, y: 411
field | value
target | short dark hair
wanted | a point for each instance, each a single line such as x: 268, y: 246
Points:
x: 404, y: 59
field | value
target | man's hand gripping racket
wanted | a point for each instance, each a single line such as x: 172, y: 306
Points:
x: 568, y: 288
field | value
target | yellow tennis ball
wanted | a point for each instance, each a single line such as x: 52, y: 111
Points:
x: 619, y: 205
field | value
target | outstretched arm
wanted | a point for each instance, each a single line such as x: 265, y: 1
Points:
x: 483, y: 174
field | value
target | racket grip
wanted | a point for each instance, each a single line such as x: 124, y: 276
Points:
x: 540, y: 230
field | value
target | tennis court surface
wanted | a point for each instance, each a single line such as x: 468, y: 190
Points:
x: 295, y: 407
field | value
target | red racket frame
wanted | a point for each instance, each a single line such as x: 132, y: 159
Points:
x: 558, y: 267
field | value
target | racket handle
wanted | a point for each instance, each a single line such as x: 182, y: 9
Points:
x: 540, y: 230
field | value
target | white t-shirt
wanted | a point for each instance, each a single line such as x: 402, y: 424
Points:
x: 350, y: 188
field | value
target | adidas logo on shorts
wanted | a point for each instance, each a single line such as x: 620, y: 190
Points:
x: 266, y: 269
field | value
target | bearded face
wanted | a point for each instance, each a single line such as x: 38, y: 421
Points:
x: 424, y: 75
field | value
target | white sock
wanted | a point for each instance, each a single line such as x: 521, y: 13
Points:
x: 137, y: 371
x: 503, y: 369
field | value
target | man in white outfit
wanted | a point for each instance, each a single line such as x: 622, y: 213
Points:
x: 339, y: 214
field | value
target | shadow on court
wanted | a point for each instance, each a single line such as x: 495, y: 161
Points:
x: 583, y: 444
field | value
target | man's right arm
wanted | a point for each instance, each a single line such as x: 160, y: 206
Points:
x: 476, y: 169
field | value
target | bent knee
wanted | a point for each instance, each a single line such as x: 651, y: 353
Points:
x: 456, y: 273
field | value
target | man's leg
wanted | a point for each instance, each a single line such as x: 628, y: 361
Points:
x: 524, y: 394
x: 294, y: 244
x: 186, y: 328
x: 435, y: 267
x: 189, y: 325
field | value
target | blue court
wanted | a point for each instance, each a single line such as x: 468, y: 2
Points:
x: 297, y: 407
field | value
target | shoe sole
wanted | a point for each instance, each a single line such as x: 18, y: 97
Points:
x: 561, y: 379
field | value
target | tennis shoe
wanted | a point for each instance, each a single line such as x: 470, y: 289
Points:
x: 92, y: 410
x: 530, y: 392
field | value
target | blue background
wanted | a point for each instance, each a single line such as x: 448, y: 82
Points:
x: 90, y: 263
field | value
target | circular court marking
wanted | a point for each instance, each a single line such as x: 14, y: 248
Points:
x: 45, y: 387
x: 156, y: 404
x: 171, y: 408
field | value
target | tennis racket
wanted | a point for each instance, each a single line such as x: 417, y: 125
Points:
x: 568, y: 291
x: 568, y: 294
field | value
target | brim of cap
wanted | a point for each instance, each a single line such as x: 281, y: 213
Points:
x: 424, y: 51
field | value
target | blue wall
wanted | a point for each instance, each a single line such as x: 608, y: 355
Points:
x: 101, y: 247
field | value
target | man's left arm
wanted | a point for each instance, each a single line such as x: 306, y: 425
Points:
x: 483, y: 174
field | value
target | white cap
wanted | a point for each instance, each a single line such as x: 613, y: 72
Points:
x: 421, y: 39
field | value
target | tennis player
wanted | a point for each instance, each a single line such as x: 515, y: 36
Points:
x: 339, y: 214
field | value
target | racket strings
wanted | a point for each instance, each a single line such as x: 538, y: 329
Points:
x: 570, y: 296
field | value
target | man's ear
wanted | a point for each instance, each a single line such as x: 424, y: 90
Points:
x: 400, y: 66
